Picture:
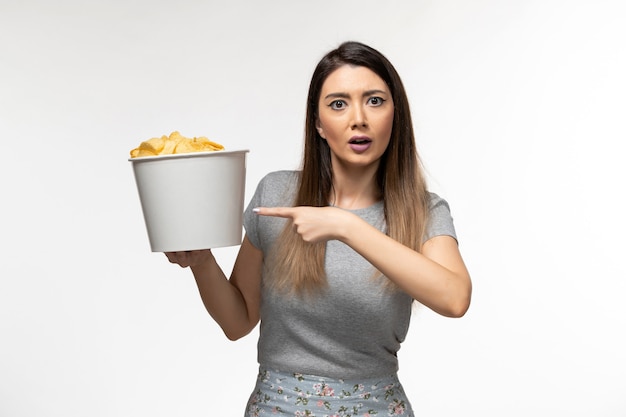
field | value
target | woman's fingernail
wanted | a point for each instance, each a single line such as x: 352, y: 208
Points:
x: 256, y: 209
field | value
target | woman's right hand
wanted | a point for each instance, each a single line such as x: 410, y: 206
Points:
x: 188, y: 258
x: 234, y: 303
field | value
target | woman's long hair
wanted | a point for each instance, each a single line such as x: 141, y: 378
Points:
x: 298, y: 266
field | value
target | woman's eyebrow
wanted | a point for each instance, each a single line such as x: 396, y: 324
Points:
x: 337, y: 95
x: 372, y: 92
x: 346, y: 95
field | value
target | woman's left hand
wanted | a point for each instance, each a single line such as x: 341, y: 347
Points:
x: 313, y: 224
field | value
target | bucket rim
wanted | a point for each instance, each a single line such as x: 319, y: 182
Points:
x: 187, y: 155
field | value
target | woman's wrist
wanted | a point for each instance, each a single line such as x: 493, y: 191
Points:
x: 348, y: 226
x: 203, y: 262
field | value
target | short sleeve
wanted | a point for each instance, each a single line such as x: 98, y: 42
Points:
x: 251, y: 219
x: 440, y: 221
x: 276, y: 189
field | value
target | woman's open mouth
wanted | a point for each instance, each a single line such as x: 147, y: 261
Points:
x: 360, y: 144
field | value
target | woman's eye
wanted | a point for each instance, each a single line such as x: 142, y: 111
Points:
x: 337, y: 105
x: 376, y: 101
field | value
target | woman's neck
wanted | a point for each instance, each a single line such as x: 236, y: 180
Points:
x: 354, y: 189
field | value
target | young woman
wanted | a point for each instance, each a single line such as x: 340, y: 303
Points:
x: 335, y: 254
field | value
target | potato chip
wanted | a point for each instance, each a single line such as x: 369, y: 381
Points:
x: 137, y: 153
x: 154, y: 145
x: 173, y: 144
x: 209, y: 144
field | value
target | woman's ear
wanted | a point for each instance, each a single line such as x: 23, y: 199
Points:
x: 319, y: 129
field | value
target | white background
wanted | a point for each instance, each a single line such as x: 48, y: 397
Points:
x: 519, y: 111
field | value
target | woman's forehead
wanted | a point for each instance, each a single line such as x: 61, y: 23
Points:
x: 351, y: 78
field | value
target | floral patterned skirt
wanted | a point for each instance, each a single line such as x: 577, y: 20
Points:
x: 279, y: 393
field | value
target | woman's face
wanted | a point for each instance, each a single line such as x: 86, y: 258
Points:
x: 355, y: 116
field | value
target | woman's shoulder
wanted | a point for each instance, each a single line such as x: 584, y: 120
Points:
x: 279, y: 185
x: 281, y: 176
x: 435, y: 200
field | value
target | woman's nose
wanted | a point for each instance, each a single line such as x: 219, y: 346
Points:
x: 359, y: 118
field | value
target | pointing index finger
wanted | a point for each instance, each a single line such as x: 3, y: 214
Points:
x: 286, y: 212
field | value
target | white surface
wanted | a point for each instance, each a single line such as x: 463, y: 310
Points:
x: 519, y: 111
x: 193, y: 200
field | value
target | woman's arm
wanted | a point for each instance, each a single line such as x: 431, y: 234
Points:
x: 436, y: 277
x: 234, y: 304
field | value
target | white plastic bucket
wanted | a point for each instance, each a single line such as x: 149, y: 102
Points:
x: 192, y: 200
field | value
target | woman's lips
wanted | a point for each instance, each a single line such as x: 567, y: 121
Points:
x: 360, y: 144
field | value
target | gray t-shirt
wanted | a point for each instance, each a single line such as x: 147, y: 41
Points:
x: 353, y: 329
